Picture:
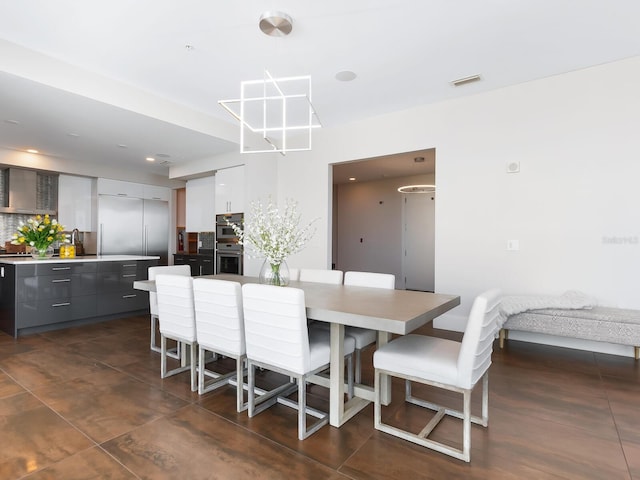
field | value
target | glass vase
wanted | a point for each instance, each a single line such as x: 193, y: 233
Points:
x: 42, y: 253
x: 274, y: 274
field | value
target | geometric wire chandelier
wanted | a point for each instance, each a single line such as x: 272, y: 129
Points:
x: 277, y: 111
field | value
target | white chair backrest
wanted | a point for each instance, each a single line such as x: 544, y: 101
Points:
x: 275, y: 323
x: 369, y: 279
x: 294, y: 274
x: 219, y: 319
x: 333, y: 277
x: 167, y: 270
x: 477, y: 343
x: 175, y: 306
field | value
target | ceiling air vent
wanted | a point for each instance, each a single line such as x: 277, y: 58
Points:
x: 464, y: 81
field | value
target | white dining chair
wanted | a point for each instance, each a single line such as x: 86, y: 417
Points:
x: 446, y: 364
x: 277, y: 339
x: 333, y: 277
x: 177, y: 318
x: 153, y: 301
x: 220, y: 330
x: 294, y: 274
x: 364, y: 336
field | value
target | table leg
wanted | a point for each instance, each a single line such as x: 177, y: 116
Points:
x: 385, y: 383
x: 336, y: 375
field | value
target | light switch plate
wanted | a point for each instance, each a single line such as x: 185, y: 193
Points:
x: 513, y: 245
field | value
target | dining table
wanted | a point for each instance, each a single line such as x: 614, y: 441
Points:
x: 386, y: 311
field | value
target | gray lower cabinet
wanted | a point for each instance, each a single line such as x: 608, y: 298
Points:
x: 36, y: 297
x: 115, y: 284
x: 53, y: 293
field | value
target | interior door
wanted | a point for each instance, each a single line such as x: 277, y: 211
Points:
x: 419, y: 241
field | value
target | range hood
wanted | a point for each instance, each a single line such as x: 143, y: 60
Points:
x: 29, y: 192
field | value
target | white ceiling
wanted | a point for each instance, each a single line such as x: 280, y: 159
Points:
x: 404, y: 52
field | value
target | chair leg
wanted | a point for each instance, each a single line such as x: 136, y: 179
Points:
x: 154, y: 323
x: 466, y: 427
x: 194, y: 364
x: 201, y: 368
x: 485, y: 399
x: 350, y: 375
x: 240, y: 406
x: 163, y: 356
x: 377, y: 407
x: 302, y: 409
x: 358, y: 367
x: 251, y: 370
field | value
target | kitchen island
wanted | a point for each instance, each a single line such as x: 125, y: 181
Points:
x: 40, y: 295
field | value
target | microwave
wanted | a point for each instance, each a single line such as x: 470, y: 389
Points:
x: 223, y: 229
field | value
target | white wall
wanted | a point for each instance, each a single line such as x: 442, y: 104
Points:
x: 575, y: 136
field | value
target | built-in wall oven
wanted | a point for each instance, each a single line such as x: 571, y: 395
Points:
x: 229, y: 252
x: 224, y: 231
x: 229, y: 258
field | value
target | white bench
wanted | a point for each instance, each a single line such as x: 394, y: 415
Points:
x: 604, y: 324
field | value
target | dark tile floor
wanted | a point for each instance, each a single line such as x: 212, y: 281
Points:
x: 88, y: 402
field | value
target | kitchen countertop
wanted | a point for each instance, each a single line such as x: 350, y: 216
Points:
x: 28, y: 259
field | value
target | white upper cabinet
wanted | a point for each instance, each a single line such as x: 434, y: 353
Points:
x: 153, y: 192
x: 74, y: 202
x: 200, y: 216
x: 230, y: 190
x: 106, y: 186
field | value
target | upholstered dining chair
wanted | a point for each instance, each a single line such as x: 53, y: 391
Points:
x: 333, y: 277
x: 153, y: 300
x: 177, y: 318
x: 363, y: 336
x: 294, y: 274
x: 277, y: 339
x: 446, y: 364
x: 220, y: 330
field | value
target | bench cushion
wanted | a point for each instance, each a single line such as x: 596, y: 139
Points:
x: 605, y: 324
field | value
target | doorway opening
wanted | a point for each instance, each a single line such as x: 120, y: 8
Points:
x: 374, y: 228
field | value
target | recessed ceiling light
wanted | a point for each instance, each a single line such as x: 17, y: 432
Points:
x: 74, y: 135
x: 32, y: 150
x: 150, y: 159
x: 465, y: 80
x: 12, y: 122
x: 122, y: 145
x: 346, y: 76
x: 352, y: 179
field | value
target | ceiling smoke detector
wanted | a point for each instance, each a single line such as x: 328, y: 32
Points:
x: 276, y: 24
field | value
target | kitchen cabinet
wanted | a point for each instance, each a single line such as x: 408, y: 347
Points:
x: 230, y: 191
x: 154, y: 192
x: 199, y: 264
x: 119, y: 188
x: 75, y: 202
x: 200, y: 215
x: 115, y: 282
x: 107, y: 186
x: 49, y: 294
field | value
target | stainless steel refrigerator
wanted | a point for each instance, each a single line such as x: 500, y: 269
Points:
x: 133, y: 226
